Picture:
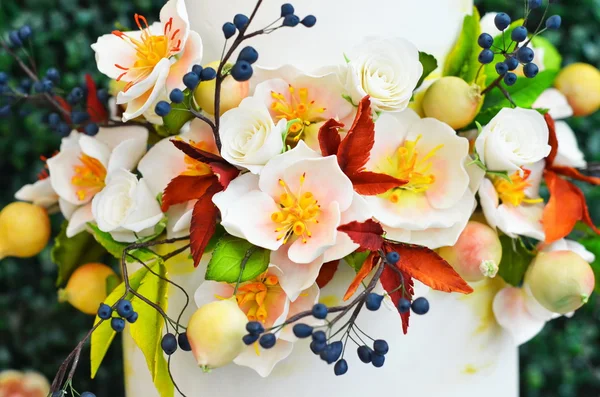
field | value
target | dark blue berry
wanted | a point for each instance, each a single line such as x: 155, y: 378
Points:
x: 163, y: 108
x: 519, y: 34
x: 38, y: 87
x: 291, y: 21
x: 501, y: 68
x: 364, y: 354
x: 403, y: 305
x: 241, y: 71
x: 191, y: 80
x: 317, y: 347
x: 392, y: 257
x: 91, y: 129
x: 63, y: 129
x: 47, y: 85
x: 373, y: 301
x: 169, y: 344
x: 309, y: 21
x: 4, y: 111
x: 381, y: 347
x: 25, y: 32
x: 554, y: 22
x: 197, y: 69
x: 320, y: 311
x: 302, y: 330
x: 3, y: 78
x: 208, y: 74
x: 124, y: 308
x: 512, y: 63
x: 184, y: 342
x: 79, y: 117
x: 240, y: 21
x: 267, y: 341
x: 319, y: 336
x: 25, y: 85
x: 332, y: 352
x: 378, y: 360
x: 502, y: 20
x: 486, y: 56
x: 421, y: 305
x: 14, y: 39
x: 104, y: 311
x: 340, y: 368
x: 255, y: 328
x: 53, y: 120
x: 117, y: 324
x: 248, y: 54
x: 533, y: 4
x: 287, y: 9
x: 485, y: 40
x: 250, y: 338
x: 87, y: 394
x: 229, y: 30
x: 102, y: 95
x: 53, y: 75
x: 132, y: 317
x: 77, y: 94
x: 176, y: 96
x: 530, y: 70
x: 525, y: 55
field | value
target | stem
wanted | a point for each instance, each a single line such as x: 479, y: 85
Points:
x: 245, y: 260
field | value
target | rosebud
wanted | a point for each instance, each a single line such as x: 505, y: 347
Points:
x: 561, y: 281
x: 232, y: 93
x: 452, y: 101
x: 215, y: 332
x: 476, y: 254
x: 24, y: 230
x: 86, y: 288
x: 580, y: 83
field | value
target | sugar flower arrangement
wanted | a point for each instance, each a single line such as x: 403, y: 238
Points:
x: 269, y: 180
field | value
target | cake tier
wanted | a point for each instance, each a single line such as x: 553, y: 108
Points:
x: 457, y: 349
x: 431, y: 25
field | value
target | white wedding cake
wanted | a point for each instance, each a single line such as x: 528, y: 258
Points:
x: 457, y: 349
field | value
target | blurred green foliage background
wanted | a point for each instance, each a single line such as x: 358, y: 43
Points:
x: 37, y: 332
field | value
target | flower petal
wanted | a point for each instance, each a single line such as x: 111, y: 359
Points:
x: 192, y: 55
x: 176, y: 10
x: 557, y: 104
x: 390, y: 132
x: 295, y: 277
x: 79, y: 220
x: 523, y: 220
x: 62, y: 169
x: 240, y: 186
x: 305, y: 301
x: 147, y: 212
x: 39, y: 193
x: 512, y: 314
x: 264, y: 362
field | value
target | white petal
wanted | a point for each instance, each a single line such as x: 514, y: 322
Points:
x: 110, y: 51
x: 305, y: 301
x: 79, y: 220
x: 62, y: 170
x: 264, y: 362
x: 523, y: 220
x: 359, y: 211
x: 390, y: 132
x: 162, y: 163
x: 66, y: 208
x: 127, y: 155
x: 238, y: 187
x: 489, y: 200
x: 176, y: 9
x: 96, y: 149
x: 179, y: 219
x: 569, y: 154
x: 113, y: 137
x: 147, y: 212
x: 39, y: 193
x: 210, y: 291
x: 512, y: 314
x: 192, y: 55
x: 295, y: 277
x: 557, y: 104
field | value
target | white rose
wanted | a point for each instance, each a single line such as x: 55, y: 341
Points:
x: 515, y: 137
x: 126, y: 208
x: 249, y: 136
x: 387, y: 70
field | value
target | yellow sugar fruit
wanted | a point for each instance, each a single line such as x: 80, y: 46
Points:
x: 580, y: 83
x: 453, y: 101
x: 232, y: 93
x: 215, y: 332
x: 561, y: 281
x: 86, y: 289
x: 476, y: 254
x: 24, y: 230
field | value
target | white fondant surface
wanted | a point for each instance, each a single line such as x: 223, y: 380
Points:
x: 432, y: 25
x: 455, y: 350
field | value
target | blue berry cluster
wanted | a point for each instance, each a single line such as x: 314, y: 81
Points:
x: 170, y: 342
x: 290, y: 19
x: 124, y: 311
x: 18, y: 37
x: 191, y: 81
x: 520, y: 53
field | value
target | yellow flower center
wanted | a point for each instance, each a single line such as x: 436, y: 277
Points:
x: 406, y: 164
x: 299, y: 107
x: 89, y: 177
x: 513, y: 192
x: 251, y: 296
x: 195, y: 167
x: 149, y: 50
x: 298, y: 211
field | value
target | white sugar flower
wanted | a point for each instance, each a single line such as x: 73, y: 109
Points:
x: 151, y: 61
x: 250, y: 137
x: 513, y: 138
x: 387, y: 70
